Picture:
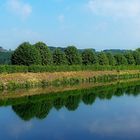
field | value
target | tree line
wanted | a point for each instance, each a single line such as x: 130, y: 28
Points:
x: 40, y: 54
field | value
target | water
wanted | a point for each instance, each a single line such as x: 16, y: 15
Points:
x: 104, y: 113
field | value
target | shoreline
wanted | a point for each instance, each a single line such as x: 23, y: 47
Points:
x: 20, y: 93
x: 15, y: 81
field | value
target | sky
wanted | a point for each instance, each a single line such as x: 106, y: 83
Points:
x: 98, y: 24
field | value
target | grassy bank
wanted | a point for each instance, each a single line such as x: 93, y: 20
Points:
x: 31, y: 80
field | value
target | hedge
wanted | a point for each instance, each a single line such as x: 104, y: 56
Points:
x: 63, y: 68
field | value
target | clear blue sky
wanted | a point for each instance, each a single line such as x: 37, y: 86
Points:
x: 99, y: 24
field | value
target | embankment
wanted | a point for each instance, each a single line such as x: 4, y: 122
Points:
x: 31, y: 80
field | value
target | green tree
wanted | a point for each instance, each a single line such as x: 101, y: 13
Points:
x: 46, y: 56
x: 89, y: 57
x: 138, y: 49
x: 111, y: 59
x: 59, y: 57
x: 120, y: 59
x: 130, y: 58
x: 72, y: 55
x: 102, y: 59
x: 26, y: 54
x: 136, y: 55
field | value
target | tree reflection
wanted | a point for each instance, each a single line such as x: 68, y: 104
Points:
x: 40, y: 106
x: 58, y: 103
x: 30, y: 110
x: 72, y: 102
x: 89, y: 98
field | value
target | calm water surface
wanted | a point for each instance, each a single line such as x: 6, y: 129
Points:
x: 111, y: 113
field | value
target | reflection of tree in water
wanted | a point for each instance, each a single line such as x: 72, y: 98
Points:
x: 43, y: 110
x: 70, y: 100
x: 133, y: 90
x: 130, y: 90
x: 89, y: 98
x: 30, y: 110
x: 25, y: 111
x: 119, y: 92
x: 58, y: 103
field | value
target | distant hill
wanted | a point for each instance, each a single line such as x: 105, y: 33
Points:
x: 62, y: 49
x: 115, y: 51
x: 5, y: 56
x: 52, y: 48
x: 2, y: 49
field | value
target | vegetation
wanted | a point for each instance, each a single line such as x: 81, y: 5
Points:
x: 45, y: 53
x: 120, y: 59
x: 40, y: 54
x: 130, y: 58
x: 111, y: 59
x: 136, y: 55
x: 32, y: 80
x: 59, y: 57
x: 72, y: 55
x: 38, y: 58
x: 102, y: 59
x: 5, y: 57
x: 26, y: 54
x: 63, y: 68
x: 89, y: 57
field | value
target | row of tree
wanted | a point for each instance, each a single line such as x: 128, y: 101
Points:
x: 40, y: 54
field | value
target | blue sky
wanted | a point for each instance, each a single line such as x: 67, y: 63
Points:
x: 99, y: 24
